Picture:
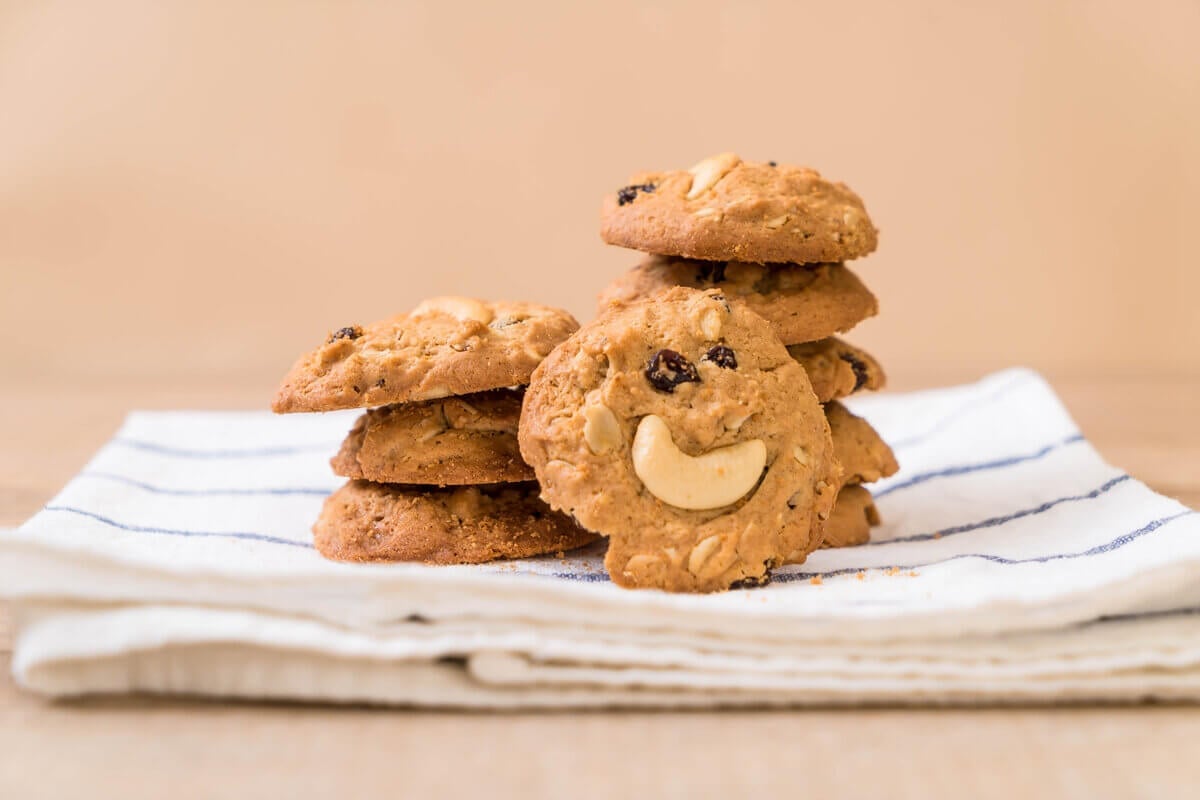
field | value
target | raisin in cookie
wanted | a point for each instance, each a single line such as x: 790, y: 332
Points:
x: 466, y: 525
x: 680, y: 428
x: 853, y: 515
x: 802, y: 302
x: 864, y: 456
x: 726, y: 209
x: 445, y: 346
x: 451, y: 441
x: 837, y: 368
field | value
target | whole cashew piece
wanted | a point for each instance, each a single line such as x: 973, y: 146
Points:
x: 712, y: 480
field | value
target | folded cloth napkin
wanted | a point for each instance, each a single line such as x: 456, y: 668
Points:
x: 1013, y: 565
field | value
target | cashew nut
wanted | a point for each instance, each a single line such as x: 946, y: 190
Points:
x: 600, y: 428
x: 709, y: 171
x: 712, y: 480
x: 462, y: 308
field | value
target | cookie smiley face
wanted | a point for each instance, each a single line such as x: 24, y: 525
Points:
x: 680, y: 428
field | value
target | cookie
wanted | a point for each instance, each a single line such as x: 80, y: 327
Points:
x: 854, y: 514
x: 451, y: 441
x: 802, y: 302
x: 445, y: 346
x: 837, y: 368
x: 680, y: 428
x: 864, y: 456
x: 726, y: 209
x: 365, y: 521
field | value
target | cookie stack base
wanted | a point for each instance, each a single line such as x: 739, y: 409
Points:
x: 366, y: 521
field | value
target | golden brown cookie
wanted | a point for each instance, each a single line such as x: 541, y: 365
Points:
x: 837, y: 368
x: 680, y: 428
x: 802, y: 302
x: 466, y: 525
x: 864, y: 456
x: 446, y: 442
x: 854, y: 514
x: 726, y: 209
x: 445, y: 346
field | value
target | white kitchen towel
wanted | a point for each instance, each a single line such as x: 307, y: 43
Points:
x: 1013, y: 564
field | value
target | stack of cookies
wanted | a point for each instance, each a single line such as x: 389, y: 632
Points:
x: 435, y: 474
x: 706, y: 394
x: 775, y: 237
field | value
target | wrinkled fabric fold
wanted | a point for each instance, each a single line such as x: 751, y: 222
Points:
x: 1013, y: 565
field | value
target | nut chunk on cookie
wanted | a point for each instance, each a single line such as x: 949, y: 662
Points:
x: 681, y: 429
x: 446, y: 346
x: 726, y: 209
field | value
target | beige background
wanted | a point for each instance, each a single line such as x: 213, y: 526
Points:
x: 197, y: 190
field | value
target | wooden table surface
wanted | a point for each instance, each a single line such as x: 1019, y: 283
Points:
x: 149, y: 748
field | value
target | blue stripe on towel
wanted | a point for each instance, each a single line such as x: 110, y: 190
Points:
x: 257, y: 537
x: 1107, y: 547
x: 992, y: 522
x: 256, y: 452
x: 204, y: 492
x: 1115, y: 544
x: 964, y: 469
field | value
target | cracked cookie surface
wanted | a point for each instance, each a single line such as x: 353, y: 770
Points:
x: 726, y: 209
x: 680, y: 428
x: 450, y: 441
x: 446, y: 346
x: 365, y: 521
x: 802, y: 302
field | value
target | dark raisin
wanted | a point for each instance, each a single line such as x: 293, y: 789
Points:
x: 350, y: 333
x: 722, y: 356
x: 668, y: 369
x: 356, y: 390
x: 627, y: 194
x: 860, y: 369
x: 711, y: 271
x: 772, y: 164
x: 381, y: 382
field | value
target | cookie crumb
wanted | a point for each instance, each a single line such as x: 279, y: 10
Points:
x: 912, y: 573
x: 862, y: 576
x: 892, y: 571
x: 815, y: 580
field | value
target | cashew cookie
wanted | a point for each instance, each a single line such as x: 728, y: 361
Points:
x: 726, y: 209
x: 802, y: 302
x: 445, y: 346
x: 680, y: 428
x: 450, y: 441
x: 462, y: 525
